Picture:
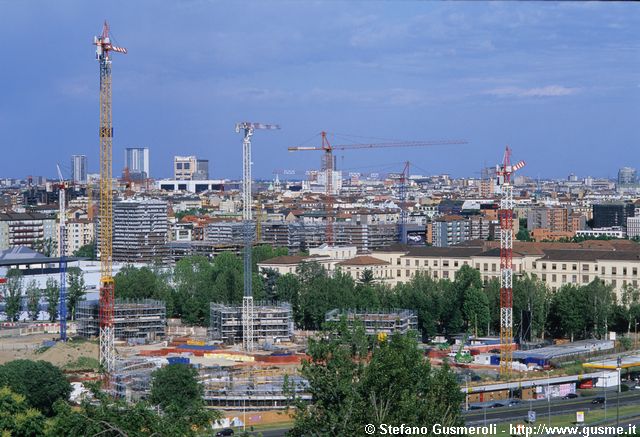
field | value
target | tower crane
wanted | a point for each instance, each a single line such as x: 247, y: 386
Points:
x: 247, y: 129
x: 62, y: 307
x: 403, y: 199
x: 328, y: 166
x: 106, y: 308
x: 503, y: 174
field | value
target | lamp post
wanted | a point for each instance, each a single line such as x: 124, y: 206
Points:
x: 466, y: 395
x: 549, y: 395
x: 618, y: 368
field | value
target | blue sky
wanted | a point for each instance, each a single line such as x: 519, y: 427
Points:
x: 559, y: 82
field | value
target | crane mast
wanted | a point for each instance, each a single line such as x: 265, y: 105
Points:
x: 247, y: 227
x: 106, y: 306
x: 505, y: 214
x: 62, y: 305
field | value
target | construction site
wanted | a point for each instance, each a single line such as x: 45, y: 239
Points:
x: 271, y: 324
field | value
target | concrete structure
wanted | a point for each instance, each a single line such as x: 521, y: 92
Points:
x: 448, y: 231
x: 80, y: 232
x: 26, y: 229
x: 224, y: 233
x: 136, y: 159
x: 79, y: 169
x: 612, y: 232
x: 184, y: 167
x: 145, y: 319
x: 271, y: 323
x: 389, y: 322
x: 633, y: 227
x: 140, y: 230
x: 192, y: 186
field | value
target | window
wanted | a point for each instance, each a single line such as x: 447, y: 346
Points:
x: 478, y: 266
x: 407, y: 273
x: 635, y: 271
x: 455, y: 263
x: 553, y: 266
x: 493, y: 267
x: 624, y: 271
x: 574, y: 278
x: 603, y: 271
x: 585, y: 279
x: 544, y: 266
x: 417, y: 263
x: 585, y: 267
x: 407, y: 262
x: 553, y: 278
x: 426, y: 262
x: 614, y: 283
x: 564, y: 267
x: 534, y: 265
x: 435, y: 263
x: 564, y: 278
x: 398, y: 261
x: 485, y: 267
x: 614, y: 270
x: 398, y: 273
x: 445, y: 274
x: 445, y: 263
x: 574, y: 267
x: 544, y: 277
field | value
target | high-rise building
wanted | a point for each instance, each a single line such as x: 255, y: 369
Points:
x: 202, y: 170
x: 627, y: 177
x: 79, y: 169
x: 139, y: 231
x: 606, y: 215
x: 184, y: 167
x: 136, y: 159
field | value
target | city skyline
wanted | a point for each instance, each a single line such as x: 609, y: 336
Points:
x: 543, y: 78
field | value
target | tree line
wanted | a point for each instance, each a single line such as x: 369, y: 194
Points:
x: 17, y: 287
x: 443, y: 306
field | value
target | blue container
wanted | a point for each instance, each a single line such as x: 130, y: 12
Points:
x: 178, y: 360
x: 196, y: 347
x: 495, y: 360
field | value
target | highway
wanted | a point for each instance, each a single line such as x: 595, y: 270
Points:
x: 541, y: 407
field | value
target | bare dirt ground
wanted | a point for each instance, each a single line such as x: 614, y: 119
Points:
x: 28, y: 347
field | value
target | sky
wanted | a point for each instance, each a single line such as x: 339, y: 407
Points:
x: 557, y: 82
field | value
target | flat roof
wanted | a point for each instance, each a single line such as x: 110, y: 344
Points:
x: 612, y: 364
x: 560, y: 350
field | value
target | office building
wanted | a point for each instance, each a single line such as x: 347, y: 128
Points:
x: 79, y: 169
x: 607, y: 215
x: 136, y: 160
x: 627, y: 177
x: 202, y: 170
x: 184, y: 167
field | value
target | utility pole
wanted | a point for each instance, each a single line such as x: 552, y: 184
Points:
x: 247, y: 227
x: 618, y: 368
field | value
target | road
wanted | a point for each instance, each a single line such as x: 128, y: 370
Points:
x: 541, y: 407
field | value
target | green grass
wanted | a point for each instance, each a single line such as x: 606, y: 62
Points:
x: 82, y: 363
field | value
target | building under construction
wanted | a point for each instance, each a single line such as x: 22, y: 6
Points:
x: 251, y: 389
x: 388, y: 322
x: 271, y: 323
x: 143, y: 319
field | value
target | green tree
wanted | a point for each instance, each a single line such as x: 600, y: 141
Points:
x: 13, y: 294
x: 531, y: 294
x: 475, y: 309
x: 367, y: 276
x: 270, y: 278
x: 354, y: 382
x: 48, y: 246
x: 176, y: 390
x: 566, y: 315
x: 52, y: 296
x: 40, y: 382
x: 33, y: 299
x: 264, y: 252
x: 17, y: 418
x: 86, y: 251
x: 523, y: 235
x: 75, y: 290
x: 135, y: 283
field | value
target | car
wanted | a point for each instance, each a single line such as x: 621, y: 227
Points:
x: 475, y: 407
x: 599, y: 400
x: 496, y: 405
x: 570, y: 396
x: 513, y: 402
x: 224, y: 432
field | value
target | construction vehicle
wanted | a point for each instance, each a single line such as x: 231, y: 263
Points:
x: 462, y: 356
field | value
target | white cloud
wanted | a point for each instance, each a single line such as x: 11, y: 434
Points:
x: 546, y: 91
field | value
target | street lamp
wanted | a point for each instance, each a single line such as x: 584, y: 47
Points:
x: 549, y: 395
x: 619, y: 368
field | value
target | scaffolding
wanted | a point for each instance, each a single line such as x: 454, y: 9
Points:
x: 142, y: 319
x: 251, y: 389
x: 271, y: 323
x: 388, y: 322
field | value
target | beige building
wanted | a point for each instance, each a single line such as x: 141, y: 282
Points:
x: 80, y: 232
x: 184, y: 167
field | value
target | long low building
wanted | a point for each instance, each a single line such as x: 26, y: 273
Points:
x: 616, y: 262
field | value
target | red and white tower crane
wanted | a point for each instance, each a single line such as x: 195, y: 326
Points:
x: 503, y: 173
x: 328, y: 167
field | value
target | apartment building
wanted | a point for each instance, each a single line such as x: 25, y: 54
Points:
x: 140, y: 231
x: 80, y: 232
x: 25, y: 229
